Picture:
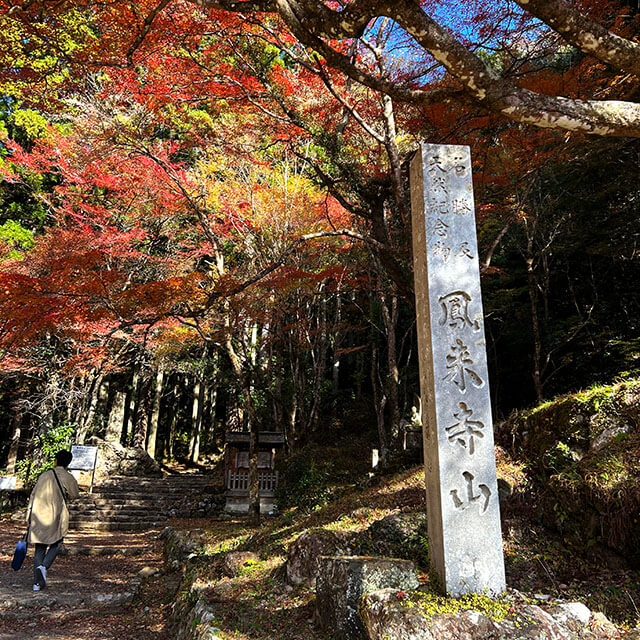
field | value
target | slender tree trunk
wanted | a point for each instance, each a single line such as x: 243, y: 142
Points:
x: 390, y: 317
x: 335, y: 357
x: 379, y: 401
x: 254, y: 430
x: 320, y: 363
x: 93, y: 396
x: 71, y: 402
x: 213, y: 407
x: 277, y: 399
x: 530, y: 229
x: 15, y: 443
x: 199, y: 394
x: 116, y: 418
x: 395, y: 162
x: 133, y: 398
x: 537, y: 339
x: 155, y: 414
x: 171, y: 436
x: 143, y: 411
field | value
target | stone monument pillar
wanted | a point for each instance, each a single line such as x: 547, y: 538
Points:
x: 462, y: 494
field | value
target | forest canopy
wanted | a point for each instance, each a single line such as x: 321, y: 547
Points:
x: 205, y: 221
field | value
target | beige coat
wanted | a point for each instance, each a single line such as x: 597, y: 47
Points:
x: 49, y: 514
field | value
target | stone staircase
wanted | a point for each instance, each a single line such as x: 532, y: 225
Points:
x: 129, y: 503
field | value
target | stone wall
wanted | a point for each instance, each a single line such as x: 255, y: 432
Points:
x: 191, y: 617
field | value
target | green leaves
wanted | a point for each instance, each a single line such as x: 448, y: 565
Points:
x: 14, y: 235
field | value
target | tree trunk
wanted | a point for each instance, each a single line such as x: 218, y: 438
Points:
x: 335, y: 356
x: 390, y: 318
x: 199, y: 393
x: 89, y: 413
x: 155, y: 415
x: 213, y: 406
x: 379, y: 401
x: 174, y: 419
x: 71, y: 402
x: 15, y: 443
x: 537, y: 339
x: 254, y: 430
x: 133, y: 398
x: 143, y: 412
x: 116, y: 418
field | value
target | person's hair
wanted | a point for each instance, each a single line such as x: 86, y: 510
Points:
x: 63, y: 458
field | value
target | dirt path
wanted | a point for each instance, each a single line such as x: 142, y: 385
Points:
x: 93, y: 590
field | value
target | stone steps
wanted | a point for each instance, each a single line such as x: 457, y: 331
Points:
x: 118, y: 526
x: 138, y: 504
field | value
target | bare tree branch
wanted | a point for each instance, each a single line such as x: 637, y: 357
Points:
x: 586, y: 34
x: 311, y: 21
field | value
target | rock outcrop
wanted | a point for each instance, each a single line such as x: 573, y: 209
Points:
x: 304, y: 552
x: 343, y: 580
x: 392, y: 615
x: 584, y: 450
x: 400, y: 535
x: 116, y: 460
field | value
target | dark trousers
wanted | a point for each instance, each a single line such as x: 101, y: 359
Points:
x: 45, y: 557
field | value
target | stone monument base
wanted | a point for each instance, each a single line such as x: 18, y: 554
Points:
x: 390, y: 614
x: 342, y: 580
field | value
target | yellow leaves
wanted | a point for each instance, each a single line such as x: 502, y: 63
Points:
x: 32, y: 123
x: 34, y: 53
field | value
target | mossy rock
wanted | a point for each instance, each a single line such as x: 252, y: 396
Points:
x: 556, y: 434
x: 584, y: 452
x: 400, y: 535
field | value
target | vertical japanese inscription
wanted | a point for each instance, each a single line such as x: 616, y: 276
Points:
x: 462, y: 491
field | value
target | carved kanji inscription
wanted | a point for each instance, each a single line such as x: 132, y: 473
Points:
x: 462, y: 507
x: 465, y: 431
x: 459, y: 363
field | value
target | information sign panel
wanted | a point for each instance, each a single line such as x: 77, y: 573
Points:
x: 84, y: 458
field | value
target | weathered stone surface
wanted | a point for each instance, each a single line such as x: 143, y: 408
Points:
x: 148, y: 572
x: 573, y: 611
x: 304, y: 551
x: 178, y: 546
x: 400, y: 535
x: 234, y: 561
x: 462, y: 495
x: 342, y: 580
x: 116, y: 460
x: 386, y: 616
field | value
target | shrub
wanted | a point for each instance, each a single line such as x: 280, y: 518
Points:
x: 304, y: 483
x: 46, y: 446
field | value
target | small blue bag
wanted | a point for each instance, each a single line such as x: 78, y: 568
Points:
x: 19, y: 555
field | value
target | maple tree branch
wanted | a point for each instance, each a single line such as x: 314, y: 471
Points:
x: 586, y: 34
x: 263, y: 273
x: 494, y: 245
x: 310, y: 21
x: 146, y: 27
x: 237, y: 6
x: 607, y: 117
x: 330, y: 184
x: 348, y: 107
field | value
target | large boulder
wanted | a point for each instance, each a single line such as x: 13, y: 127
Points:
x: 392, y: 615
x: 234, y: 562
x: 307, y: 548
x: 343, y: 580
x: 116, y: 460
x: 399, y: 535
x: 583, y: 450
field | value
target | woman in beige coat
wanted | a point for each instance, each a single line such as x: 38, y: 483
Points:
x: 48, y: 516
